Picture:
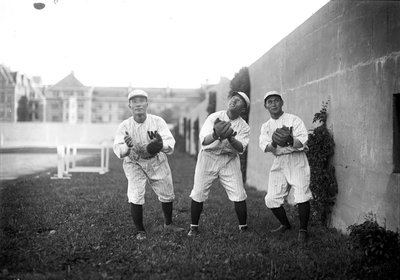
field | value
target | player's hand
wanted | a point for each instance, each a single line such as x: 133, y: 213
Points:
x: 128, y: 140
x: 288, y: 133
x: 232, y: 136
x: 282, y: 137
x: 221, y: 129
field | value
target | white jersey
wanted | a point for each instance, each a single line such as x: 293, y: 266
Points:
x: 142, y: 134
x: 299, y: 132
x: 223, y: 147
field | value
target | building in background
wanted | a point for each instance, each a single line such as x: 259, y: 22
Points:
x: 110, y: 104
x: 21, y: 97
x: 69, y: 101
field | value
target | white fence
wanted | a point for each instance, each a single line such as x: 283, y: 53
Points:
x: 29, y: 134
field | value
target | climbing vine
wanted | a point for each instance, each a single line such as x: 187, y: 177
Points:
x: 323, y: 182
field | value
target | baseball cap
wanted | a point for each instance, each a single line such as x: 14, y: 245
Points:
x: 137, y: 92
x: 244, y: 96
x: 272, y: 93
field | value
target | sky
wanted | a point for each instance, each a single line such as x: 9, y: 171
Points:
x: 144, y: 43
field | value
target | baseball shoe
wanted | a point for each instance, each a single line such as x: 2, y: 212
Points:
x: 194, y: 231
x: 173, y: 228
x: 303, y: 236
x: 243, y: 228
x: 281, y: 229
x: 140, y: 235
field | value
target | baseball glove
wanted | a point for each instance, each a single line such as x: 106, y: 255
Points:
x: 155, y: 146
x: 283, y: 136
x: 227, y: 131
x: 222, y: 129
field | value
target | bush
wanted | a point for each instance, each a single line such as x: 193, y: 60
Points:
x: 379, y: 249
x: 323, y: 182
x: 377, y: 244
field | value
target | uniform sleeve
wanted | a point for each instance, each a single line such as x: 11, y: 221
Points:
x: 265, y: 140
x: 300, y: 132
x: 243, y: 136
x: 207, y: 128
x: 120, y: 148
x: 166, y: 135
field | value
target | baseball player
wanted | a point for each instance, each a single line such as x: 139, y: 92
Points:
x: 143, y: 141
x: 285, y: 136
x: 223, y: 137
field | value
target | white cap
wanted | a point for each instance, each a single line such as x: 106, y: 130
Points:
x: 137, y: 92
x: 244, y: 96
x: 272, y: 93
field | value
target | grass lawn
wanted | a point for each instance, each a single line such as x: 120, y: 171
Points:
x: 81, y: 229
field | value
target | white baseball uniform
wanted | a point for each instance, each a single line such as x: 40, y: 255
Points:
x: 220, y: 160
x: 290, y: 166
x: 139, y: 166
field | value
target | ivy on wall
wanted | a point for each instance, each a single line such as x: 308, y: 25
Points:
x: 323, y: 182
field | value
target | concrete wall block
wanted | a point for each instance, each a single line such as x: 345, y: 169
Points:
x: 355, y: 40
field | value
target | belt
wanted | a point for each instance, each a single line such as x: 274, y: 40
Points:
x: 294, y: 152
x: 149, y: 157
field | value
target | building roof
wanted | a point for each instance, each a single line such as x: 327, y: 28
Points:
x: 69, y: 81
x: 153, y: 92
x: 7, y: 75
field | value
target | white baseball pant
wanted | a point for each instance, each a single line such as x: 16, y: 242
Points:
x: 156, y: 172
x: 223, y: 166
x: 288, y: 171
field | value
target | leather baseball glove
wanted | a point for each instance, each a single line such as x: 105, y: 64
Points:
x: 283, y: 136
x: 227, y: 131
x: 156, y: 145
x: 222, y: 129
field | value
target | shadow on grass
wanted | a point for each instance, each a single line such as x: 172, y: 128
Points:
x: 81, y: 229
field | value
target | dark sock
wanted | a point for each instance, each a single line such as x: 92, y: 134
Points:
x: 280, y: 214
x: 241, y: 211
x: 167, y: 210
x: 137, y: 216
x: 196, y: 208
x: 304, y: 214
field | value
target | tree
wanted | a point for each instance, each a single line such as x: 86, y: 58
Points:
x: 241, y: 82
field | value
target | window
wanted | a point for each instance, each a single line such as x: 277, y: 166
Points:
x: 396, y: 132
